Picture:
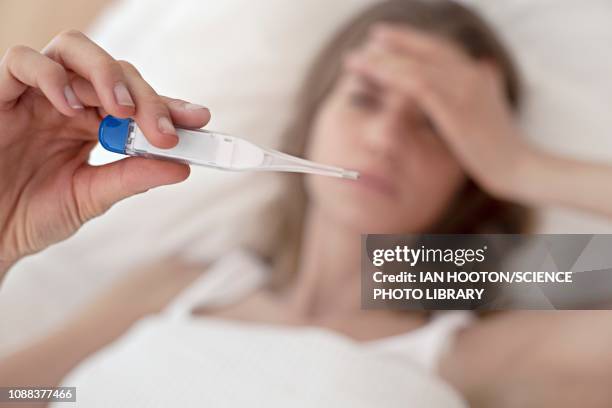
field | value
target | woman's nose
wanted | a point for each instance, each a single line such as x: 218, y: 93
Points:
x: 384, y: 137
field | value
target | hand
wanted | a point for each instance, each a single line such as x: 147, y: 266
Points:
x: 51, y: 104
x: 463, y: 97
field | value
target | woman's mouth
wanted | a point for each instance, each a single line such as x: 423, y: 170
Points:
x: 376, y: 183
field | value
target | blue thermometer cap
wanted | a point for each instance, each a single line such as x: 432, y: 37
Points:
x: 113, y: 133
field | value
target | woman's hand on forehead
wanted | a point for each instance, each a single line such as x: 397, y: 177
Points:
x: 463, y: 97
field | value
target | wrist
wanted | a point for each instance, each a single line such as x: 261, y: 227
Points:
x: 506, y: 172
x: 524, y: 183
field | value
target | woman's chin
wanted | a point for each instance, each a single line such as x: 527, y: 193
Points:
x: 365, y: 211
x: 364, y: 219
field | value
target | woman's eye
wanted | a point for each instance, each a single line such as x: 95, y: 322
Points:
x: 363, y: 100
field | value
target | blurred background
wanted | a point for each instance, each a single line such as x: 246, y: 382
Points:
x: 244, y: 60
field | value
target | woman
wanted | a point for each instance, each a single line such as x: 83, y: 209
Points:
x: 303, y: 290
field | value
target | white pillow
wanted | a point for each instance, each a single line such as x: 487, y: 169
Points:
x: 563, y: 48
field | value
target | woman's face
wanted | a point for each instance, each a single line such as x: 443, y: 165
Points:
x: 408, y: 176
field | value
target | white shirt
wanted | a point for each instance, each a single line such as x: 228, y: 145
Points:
x: 176, y: 359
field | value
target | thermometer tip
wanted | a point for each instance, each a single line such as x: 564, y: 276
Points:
x: 351, y: 175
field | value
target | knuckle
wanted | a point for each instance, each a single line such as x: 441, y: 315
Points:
x: 52, y: 71
x: 152, y: 99
x: 156, y: 104
x: 128, y: 67
x: 14, y: 52
x: 107, y: 67
x: 173, y: 102
x: 71, y: 33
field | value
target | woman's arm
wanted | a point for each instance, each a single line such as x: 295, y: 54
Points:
x: 534, y: 359
x: 541, y: 178
x: 142, y: 292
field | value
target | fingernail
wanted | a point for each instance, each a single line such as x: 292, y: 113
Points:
x: 122, y: 95
x: 71, y: 98
x: 193, y: 106
x: 165, y: 126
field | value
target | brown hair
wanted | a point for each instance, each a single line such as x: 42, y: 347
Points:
x: 473, y: 210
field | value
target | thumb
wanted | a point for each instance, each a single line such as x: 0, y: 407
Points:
x: 97, y: 188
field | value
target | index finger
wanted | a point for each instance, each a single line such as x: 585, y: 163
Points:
x: 115, y: 90
x: 73, y: 50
